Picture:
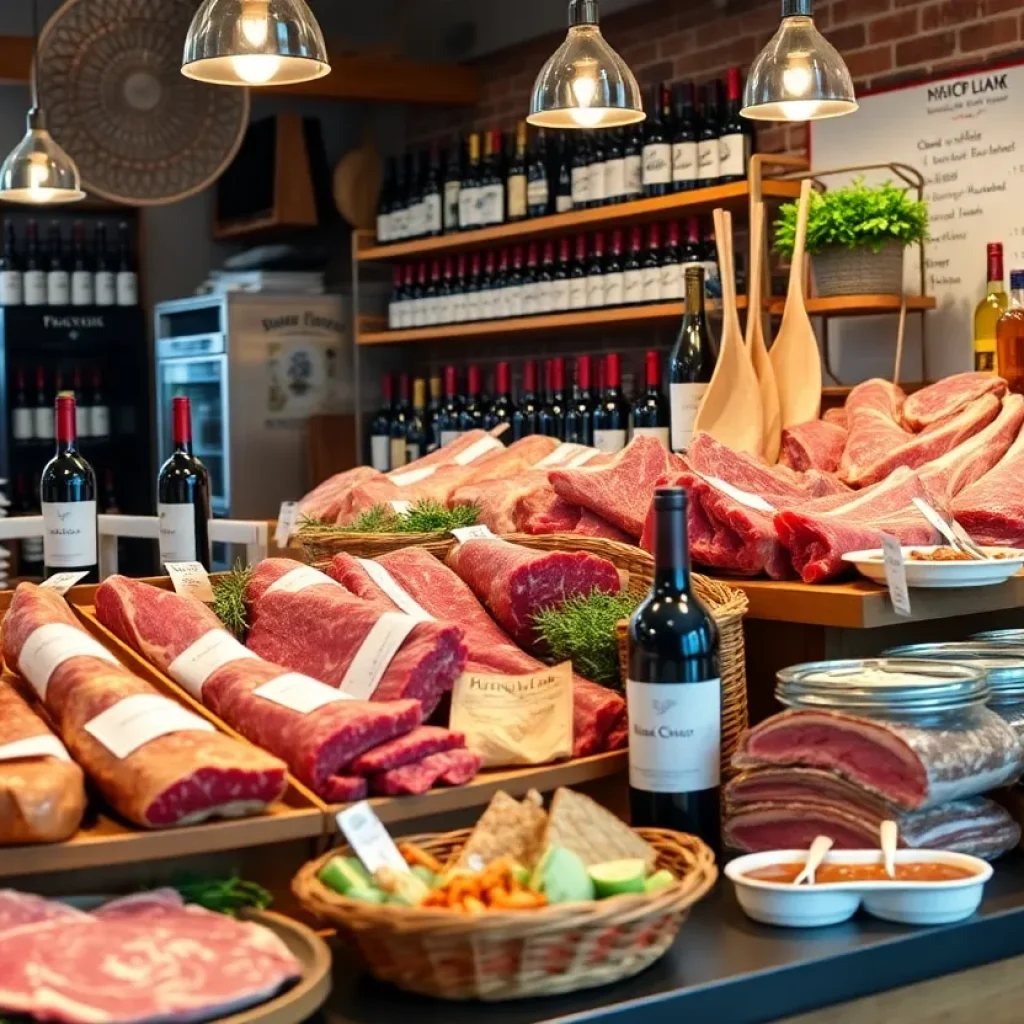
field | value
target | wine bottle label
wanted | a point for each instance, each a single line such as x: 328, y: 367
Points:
x: 127, y: 288
x: 45, y: 427
x: 652, y: 284
x: 634, y: 175
x: 177, y: 532
x: 432, y: 223
x: 418, y: 219
x: 492, y: 204
x: 610, y: 441
x: 537, y: 193
x: 531, y: 298
x: 685, y: 401
x: 58, y: 288
x: 580, y: 186
x: 482, y: 305
x: 614, y: 178
x: 21, y: 424
x: 563, y: 204
x: 394, y: 315
x: 81, y: 288
x: 675, y: 736
x: 380, y: 452
x: 444, y: 309
x: 467, y: 207
x: 69, y: 540
x: 34, y: 286
x: 517, y: 197
x: 662, y: 434
x: 452, y: 191
x: 449, y: 436
x: 11, y: 292
x: 712, y: 280
x: 383, y: 227
x: 578, y: 293
x: 708, y: 160
x: 499, y: 307
x: 684, y: 162
x: 397, y: 452
x: 672, y: 283
x: 614, y: 289
x: 104, y: 288
x: 83, y: 423
x: 514, y: 300
x: 419, y: 312
x: 657, y: 164
x: 99, y: 421
x: 559, y: 295
x: 595, y: 290
x: 634, y: 285
x: 32, y: 549
x: 597, y: 192
x: 732, y: 155
x: 471, y: 307
x: 399, y: 220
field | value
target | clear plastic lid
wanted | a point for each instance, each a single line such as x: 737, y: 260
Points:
x: 1002, y: 664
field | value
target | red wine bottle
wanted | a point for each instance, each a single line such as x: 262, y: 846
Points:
x: 526, y: 418
x: 451, y: 409
x: 68, y: 489
x: 611, y: 417
x: 674, y: 692
x: 380, y: 429
x: 552, y: 415
x: 183, y: 496
x: 692, y: 363
x: 579, y: 413
x: 472, y: 415
x: 502, y: 409
x: 651, y: 414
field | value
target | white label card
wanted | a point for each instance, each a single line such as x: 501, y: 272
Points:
x: 369, y: 838
x: 475, y: 450
x: 414, y: 476
x: 473, y: 533
x: 896, y: 575
x: 177, y: 532
x: 375, y: 654
x: 137, y: 720
x: 391, y: 587
x: 62, y: 582
x: 301, y: 578
x: 300, y: 693
x: 50, y: 646
x: 286, y: 520
x: 190, y: 579
x: 212, y: 651
x: 754, y: 501
x: 45, y: 745
x: 70, y: 531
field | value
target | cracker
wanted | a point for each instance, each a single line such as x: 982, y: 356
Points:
x: 507, y: 828
x: 582, y: 825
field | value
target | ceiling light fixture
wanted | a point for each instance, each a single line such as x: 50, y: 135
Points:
x: 585, y: 83
x: 37, y: 170
x: 799, y: 75
x: 254, y: 42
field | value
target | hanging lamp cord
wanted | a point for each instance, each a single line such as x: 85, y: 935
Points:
x: 35, y: 54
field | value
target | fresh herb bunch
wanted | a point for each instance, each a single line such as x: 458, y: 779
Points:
x: 225, y: 895
x: 424, y: 516
x: 229, y: 600
x: 855, y: 217
x: 583, y: 631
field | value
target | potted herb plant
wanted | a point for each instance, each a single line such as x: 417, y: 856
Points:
x: 856, y: 237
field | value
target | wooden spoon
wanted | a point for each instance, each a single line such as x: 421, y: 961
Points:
x: 758, y: 350
x: 731, y: 409
x: 795, y: 355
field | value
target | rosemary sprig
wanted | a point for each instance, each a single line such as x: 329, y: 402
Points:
x: 229, y: 600
x: 225, y: 895
x: 425, y: 516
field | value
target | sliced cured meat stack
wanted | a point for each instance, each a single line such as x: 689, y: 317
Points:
x: 621, y: 490
x: 992, y: 508
x: 515, y: 583
x: 306, y: 723
x: 407, y: 749
x: 450, y: 768
x: 303, y: 620
x: 936, y: 402
x: 178, y: 777
x: 815, y: 445
x: 42, y: 793
x: 910, y: 767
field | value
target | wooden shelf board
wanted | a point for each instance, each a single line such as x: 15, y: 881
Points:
x: 734, y: 196
x: 860, y: 305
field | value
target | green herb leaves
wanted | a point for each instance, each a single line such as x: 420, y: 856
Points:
x: 229, y: 600
x: 423, y: 516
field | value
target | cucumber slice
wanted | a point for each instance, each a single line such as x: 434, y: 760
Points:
x: 616, y: 877
x: 342, y: 874
x: 659, y: 880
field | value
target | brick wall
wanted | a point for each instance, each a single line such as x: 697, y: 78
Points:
x: 883, y: 42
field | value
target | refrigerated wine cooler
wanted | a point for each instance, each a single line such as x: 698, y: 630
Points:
x: 100, y: 354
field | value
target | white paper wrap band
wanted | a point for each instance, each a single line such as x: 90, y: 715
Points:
x: 198, y: 662
x: 49, y: 646
x: 139, y: 719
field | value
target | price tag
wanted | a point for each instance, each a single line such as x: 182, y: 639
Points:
x: 367, y: 835
x: 896, y: 575
x: 190, y: 579
x: 473, y: 533
x: 286, y: 520
x: 403, y: 508
x: 62, y: 582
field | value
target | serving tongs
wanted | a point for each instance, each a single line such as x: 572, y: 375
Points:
x: 815, y: 856
x: 954, y: 534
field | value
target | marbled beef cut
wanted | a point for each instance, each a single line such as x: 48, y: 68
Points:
x: 451, y: 768
x: 815, y: 445
x: 176, y: 779
x: 413, y: 746
x: 318, y: 745
x: 948, y: 396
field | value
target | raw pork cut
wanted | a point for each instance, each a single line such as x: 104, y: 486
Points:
x: 413, y: 746
x: 451, y: 768
x: 815, y: 445
x: 320, y: 629
x: 466, y: 448
x: 318, y: 744
x: 177, y: 779
x: 992, y: 509
x: 42, y: 793
x: 621, y: 490
x: 948, y: 396
x: 836, y: 416
x: 18, y: 909
x: 515, y: 583
x: 326, y: 501
x: 912, y: 767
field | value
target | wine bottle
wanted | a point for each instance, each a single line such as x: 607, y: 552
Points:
x: 485, y: 289
x: 671, y: 266
x: 633, y: 271
x: 471, y: 417
x: 380, y: 429
x: 452, y: 187
x: 99, y: 411
x: 415, y: 207
x: 385, y: 204
x: 492, y: 192
x: 516, y: 188
x: 614, y: 274
x: 433, y: 196
x: 595, y: 273
x: 709, y: 261
x: 578, y: 275
x: 22, y: 418
x: 633, y: 160
x: 42, y: 413
x: 657, y: 173
x: 552, y: 414
x: 82, y: 292
x: 651, y: 266
x: 531, y: 283
x: 68, y: 488
x: 674, y: 692
x: 502, y: 409
x: 104, y: 282
x: 708, y: 157
x: 596, y: 165
x: 416, y: 433
x: 614, y: 168
x: 526, y: 415
x: 691, y: 364
x: 611, y: 417
x: 563, y: 178
x: 684, y: 140
x: 34, y: 277
x: 579, y: 413
x: 127, y: 280
x: 581, y: 174
x: 514, y: 285
x: 733, y: 140
x: 451, y: 409
x: 431, y: 295
x: 470, y: 194
x: 58, y: 283
x: 651, y: 414
x: 472, y: 290
x: 538, y: 186
x: 559, y: 298
x: 395, y: 302
x: 546, y: 275
x: 433, y: 414
x: 400, y: 416
x: 83, y: 408
x: 401, y: 210
x: 183, y: 496
x: 11, y: 283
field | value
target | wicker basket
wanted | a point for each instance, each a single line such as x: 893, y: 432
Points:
x: 860, y: 271
x: 322, y: 545
x: 514, y: 954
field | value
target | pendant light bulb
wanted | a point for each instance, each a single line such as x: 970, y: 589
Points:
x: 585, y: 83
x: 799, y: 75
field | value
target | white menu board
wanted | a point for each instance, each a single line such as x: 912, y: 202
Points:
x: 965, y: 134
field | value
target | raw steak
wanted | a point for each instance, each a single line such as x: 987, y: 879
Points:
x: 325, y: 502
x: 908, y: 766
x: 621, y: 490
x: 178, y: 779
x: 497, y: 499
x: 542, y: 510
x: 18, y: 909
x: 948, y: 396
x: 992, y: 509
x: 466, y: 448
x: 815, y: 445
x: 451, y: 768
x: 153, y: 903
x: 413, y: 746
x: 189, y: 965
x: 319, y: 631
x: 872, y: 420
x: 836, y: 416
x: 515, y: 583
x: 593, y: 525
x: 42, y: 796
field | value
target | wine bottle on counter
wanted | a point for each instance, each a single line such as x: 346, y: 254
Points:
x: 658, y: 145
x: 579, y: 413
x: 611, y: 417
x: 380, y: 430
x: 183, y: 496
x: 708, y: 156
x: 502, y: 409
x: 551, y: 421
x: 451, y: 408
x: 734, y: 138
x: 651, y: 414
x: 34, y: 277
x: 11, y: 282
x: 400, y: 415
x: 416, y: 431
x: 58, y: 283
x: 691, y: 364
x: 684, y: 140
x: 68, y: 488
x: 674, y: 692
x: 22, y: 418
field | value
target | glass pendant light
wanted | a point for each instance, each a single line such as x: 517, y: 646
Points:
x: 799, y: 75
x: 254, y: 42
x: 37, y: 170
x: 585, y: 83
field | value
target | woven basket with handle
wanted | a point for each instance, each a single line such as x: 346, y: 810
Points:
x: 501, y: 955
x: 320, y: 545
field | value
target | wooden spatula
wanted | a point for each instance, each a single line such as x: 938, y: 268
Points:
x: 731, y: 409
x: 772, y: 420
x: 795, y: 357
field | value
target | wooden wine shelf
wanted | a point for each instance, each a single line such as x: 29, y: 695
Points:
x: 735, y: 196
x: 657, y: 315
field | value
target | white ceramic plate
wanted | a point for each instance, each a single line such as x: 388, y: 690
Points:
x: 805, y: 906
x: 940, y: 575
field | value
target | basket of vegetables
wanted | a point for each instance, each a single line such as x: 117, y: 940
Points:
x: 528, y: 903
